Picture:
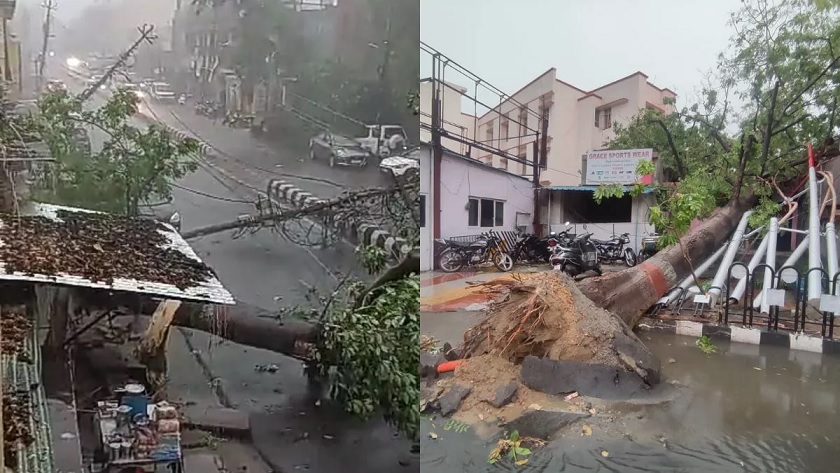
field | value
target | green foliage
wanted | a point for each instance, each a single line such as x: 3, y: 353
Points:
x: 513, y: 447
x: 132, y: 167
x: 782, y: 64
x: 371, y: 353
x: 705, y: 344
x: 373, y: 258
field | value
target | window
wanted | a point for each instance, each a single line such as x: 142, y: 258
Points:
x: 597, y: 118
x: 523, y: 121
x: 523, y: 155
x: 485, y: 213
x: 505, y: 131
x: 503, y: 163
x: 607, y: 118
x: 488, y: 134
x: 422, y: 211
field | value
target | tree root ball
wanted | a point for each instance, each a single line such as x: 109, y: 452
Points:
x: 546, y: 316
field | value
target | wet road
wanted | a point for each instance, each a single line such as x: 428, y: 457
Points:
x: 743, y: 409
x: 257, y: 161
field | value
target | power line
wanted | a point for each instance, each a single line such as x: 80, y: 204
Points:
x: 224, y: 199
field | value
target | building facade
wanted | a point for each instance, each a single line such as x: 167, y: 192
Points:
x: 473, y: 198
x: 579, y: 122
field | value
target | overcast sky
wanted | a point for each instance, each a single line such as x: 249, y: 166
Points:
x: 590, y: 42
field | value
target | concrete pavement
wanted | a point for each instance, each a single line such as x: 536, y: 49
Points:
x: 290, y: 430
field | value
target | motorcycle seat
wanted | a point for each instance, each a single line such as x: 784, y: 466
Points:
x: 601, y: 242
x: 459, y: 243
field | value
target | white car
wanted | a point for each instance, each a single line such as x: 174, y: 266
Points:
x: 398, y: 165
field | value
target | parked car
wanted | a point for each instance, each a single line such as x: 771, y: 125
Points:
x: 163, y: 92
x: 399, y: 165
x: 56, y: 86
x: 338, y: 150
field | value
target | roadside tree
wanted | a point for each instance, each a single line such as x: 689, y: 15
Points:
x: 773, y: 92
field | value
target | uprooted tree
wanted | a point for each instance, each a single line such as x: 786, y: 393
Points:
x: 776, y: 87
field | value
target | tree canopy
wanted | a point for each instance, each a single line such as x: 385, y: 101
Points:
x: 133, y: 166
x: 772, y: 92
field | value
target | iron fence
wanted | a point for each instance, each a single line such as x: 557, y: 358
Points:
x: 785, y: 300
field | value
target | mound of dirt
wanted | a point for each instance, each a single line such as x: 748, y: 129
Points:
x: 546, y: 316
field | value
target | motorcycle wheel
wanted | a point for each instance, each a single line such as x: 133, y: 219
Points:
x: 449, y: 261
x: 629, y: 257
x: 570, y: 269
x: 503, y: 261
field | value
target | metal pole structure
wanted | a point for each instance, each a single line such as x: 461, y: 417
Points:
x: 771, y: 262
x: 735, y: 294
x: 729, y: 256
x: 831, y: 248
x: 792, y: 259
x: 814, y: 277
x: 689, y: 280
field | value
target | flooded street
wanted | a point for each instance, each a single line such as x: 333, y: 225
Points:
x: 744, y: 408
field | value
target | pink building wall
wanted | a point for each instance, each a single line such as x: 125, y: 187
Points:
x: 462, y: 179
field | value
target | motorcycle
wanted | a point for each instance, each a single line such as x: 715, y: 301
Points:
x: 613, y: 250
x: 577, y: 256
x: 182, y: 99
x: 531, y: 249
x: 207, y: 108
x: 488, y: 248
x: 649, y: 247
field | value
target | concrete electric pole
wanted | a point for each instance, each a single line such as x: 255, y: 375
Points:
x: 49, y: 7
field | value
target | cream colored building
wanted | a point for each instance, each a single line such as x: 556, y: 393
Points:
x: 579, y: 121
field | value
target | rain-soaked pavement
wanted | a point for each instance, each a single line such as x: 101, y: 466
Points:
x: 745, y: 408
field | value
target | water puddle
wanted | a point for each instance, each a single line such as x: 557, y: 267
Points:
x: 745, y: 408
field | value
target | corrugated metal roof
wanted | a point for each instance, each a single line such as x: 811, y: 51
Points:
x: 208, y: 291
x: 24, y: 376
x: 588, y: 188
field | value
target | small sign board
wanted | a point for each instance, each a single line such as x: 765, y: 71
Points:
x: 616, y: 166
x: 830, y: 303
x: 775, y: 297
x: 701, y: 299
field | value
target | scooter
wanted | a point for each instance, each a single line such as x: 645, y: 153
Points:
x: 576, y: 257
x: 182, y: 99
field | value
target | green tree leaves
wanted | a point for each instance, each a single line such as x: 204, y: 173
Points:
x: 132, y: 168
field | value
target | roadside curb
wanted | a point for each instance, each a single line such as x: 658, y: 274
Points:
x: 751, y: 336
x: 364, y: 234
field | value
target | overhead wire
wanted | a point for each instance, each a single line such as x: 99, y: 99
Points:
x: 225, y: 199
x: 251, y: 165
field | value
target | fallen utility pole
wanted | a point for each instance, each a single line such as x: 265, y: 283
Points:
x: 146, y: 34
x: 252, y: 220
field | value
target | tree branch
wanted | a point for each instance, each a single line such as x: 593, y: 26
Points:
x: 768, y: 127
x: 714, y: 132
x: 677, y: 158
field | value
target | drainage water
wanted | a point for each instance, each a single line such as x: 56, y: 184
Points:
x: 745, y: 408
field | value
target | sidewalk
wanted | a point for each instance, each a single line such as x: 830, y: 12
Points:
x: 451, y: 292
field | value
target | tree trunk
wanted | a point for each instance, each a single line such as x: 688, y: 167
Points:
x: 246, y: 325
x: 631, y: 292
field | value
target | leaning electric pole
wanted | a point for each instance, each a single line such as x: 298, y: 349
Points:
x: 146, y: 34
x: 49, y: 6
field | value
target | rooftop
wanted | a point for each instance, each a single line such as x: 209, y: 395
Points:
x: 69, y: 246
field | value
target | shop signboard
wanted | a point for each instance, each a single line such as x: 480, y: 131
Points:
x: 616, y: 166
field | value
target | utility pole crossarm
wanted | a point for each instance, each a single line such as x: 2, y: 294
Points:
x: 146, y: 34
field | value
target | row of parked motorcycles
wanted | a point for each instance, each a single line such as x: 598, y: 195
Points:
x: 572, y: 254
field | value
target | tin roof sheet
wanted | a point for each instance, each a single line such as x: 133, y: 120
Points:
x: 210, y: 290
